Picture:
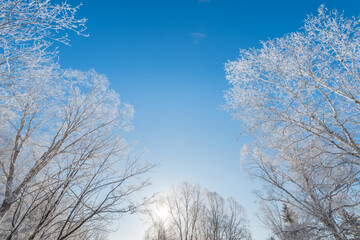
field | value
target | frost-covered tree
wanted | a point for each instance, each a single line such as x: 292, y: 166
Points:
x: 351, y: 224
x: 66, y: 164
x: 286, y: 224
x: 65, y: 167
x: 303, y: 86
x: 185, y: 209
x: 194, y: 213
x: 299, y: 97
x: 28, y: 28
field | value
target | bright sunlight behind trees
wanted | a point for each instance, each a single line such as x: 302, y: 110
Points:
x: 195, y: 213
x: 69, y: 167
x: 299, y: 97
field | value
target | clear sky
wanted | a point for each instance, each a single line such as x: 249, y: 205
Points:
x: 166, y: 58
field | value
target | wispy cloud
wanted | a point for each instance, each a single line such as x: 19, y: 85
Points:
x: 197, y: 37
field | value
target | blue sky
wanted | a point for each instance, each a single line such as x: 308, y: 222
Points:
x: 166, y: 58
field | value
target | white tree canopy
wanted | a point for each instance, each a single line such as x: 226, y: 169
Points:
x: 299, y: 97
x: 65, y: 166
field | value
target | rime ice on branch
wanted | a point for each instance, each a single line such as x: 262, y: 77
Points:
x: 65, y: 168
x: 299, y: 96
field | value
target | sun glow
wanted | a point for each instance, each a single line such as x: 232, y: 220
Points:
x: 161, y: 212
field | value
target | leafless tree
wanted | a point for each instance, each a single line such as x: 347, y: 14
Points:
x: 185, y: 210
x: 28, y: 28
x: 65, y: 167
x: 195, y: 213
x: 68, y: 165
x: 299, y: 98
